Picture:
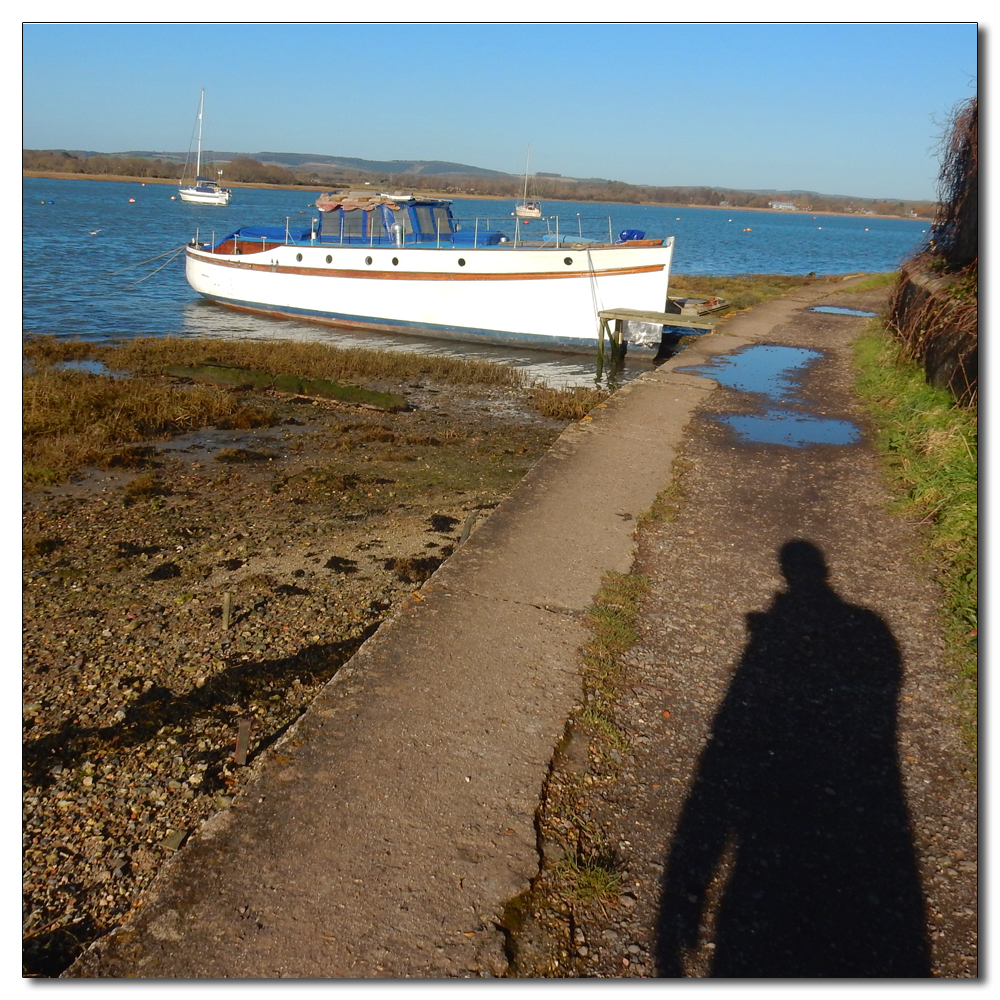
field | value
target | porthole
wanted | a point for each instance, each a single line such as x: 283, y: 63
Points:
x: 395, y: 261
x: 329, y: 259
x: 368, y: 260
x: 567, y: 260
x: 461, y: 262
x: 298, y: 257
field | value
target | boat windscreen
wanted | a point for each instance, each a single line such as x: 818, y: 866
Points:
x: 430, y: 218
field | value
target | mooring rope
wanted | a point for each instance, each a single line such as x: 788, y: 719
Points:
x: 173, y: 250
x: 176, y: 253
x: 594, y: 292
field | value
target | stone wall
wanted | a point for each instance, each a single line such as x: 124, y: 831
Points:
x: 938, y: 329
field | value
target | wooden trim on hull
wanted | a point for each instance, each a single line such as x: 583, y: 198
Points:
x: 576, y: 345
x: 331, y: 272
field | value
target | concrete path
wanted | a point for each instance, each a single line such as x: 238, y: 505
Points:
x: 388, y: 830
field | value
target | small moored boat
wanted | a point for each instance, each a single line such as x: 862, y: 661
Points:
x: 528, y: 208
x: 203, y: 191
x: 400, y: 263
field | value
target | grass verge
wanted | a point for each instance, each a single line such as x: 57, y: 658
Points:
x: 930, y: 446
x: 612, y: 620
x: 884, y: 280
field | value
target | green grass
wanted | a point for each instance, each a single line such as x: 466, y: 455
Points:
x: 930, y: 446
x: 669, y: 501
x: 597, y: 877
x: 612, y: 621
x: 746, y: 290
x: 884, y: 280
x: 742, y: 290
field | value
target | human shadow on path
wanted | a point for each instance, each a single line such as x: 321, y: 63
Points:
x: 798, y: 795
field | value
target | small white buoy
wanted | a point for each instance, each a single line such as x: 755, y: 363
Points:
x: 131, y: 201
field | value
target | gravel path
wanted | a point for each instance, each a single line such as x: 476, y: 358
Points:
x: 794, y: 798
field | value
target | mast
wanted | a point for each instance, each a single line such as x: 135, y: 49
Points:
x: 527, y: 156
x: 201, y: 108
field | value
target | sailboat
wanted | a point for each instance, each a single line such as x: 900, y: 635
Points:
x: 204, y: 191
x: 527, y: 209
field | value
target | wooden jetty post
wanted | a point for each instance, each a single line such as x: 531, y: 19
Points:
x: 621, y: 315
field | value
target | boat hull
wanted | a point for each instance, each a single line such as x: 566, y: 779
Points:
x: 547, y: 298
x: 198, y: 196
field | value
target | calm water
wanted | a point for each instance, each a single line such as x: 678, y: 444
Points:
x: 84, y: 239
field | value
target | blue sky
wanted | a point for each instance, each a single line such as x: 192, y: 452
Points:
x: 852, y: 109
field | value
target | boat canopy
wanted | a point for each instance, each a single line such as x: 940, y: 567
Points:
x: 358, y: 215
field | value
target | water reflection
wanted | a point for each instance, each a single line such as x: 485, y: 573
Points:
x: 840, y: 311
x: 769, y: 371
x: 778, y: 426
x: 764, y: 368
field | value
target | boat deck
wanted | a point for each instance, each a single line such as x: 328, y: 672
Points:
x: 235, y: 246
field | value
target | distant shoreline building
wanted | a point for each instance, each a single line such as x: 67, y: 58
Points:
x: 784, y: 206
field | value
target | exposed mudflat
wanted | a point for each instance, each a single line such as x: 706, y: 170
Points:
x: 133, y: 690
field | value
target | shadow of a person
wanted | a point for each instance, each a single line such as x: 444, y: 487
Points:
x: 799, y: 784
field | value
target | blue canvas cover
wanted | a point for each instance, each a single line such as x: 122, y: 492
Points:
x: 485, y: 238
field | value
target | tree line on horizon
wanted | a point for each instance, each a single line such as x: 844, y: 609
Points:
x: 245, y: 170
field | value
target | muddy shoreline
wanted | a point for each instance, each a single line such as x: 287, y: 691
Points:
x: 134, y: 690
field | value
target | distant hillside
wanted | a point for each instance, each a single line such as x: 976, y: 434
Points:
x: 314, y: 161
x: 315, y: 169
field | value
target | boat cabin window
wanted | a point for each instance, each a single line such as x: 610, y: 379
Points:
x: 376, y: 222
x: 401, y: 216
x: 353, y: 222
x: 429, y: 217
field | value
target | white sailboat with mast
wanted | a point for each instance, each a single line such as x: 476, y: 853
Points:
x: 204, y: 191
x: 527, y: 209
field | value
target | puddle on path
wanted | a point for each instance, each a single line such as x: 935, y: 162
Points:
x: 784, y: 427
x: 840, y: 311
x: 769, y: 370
